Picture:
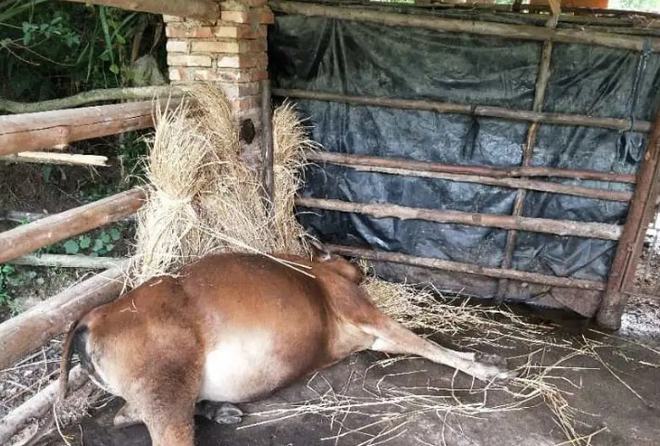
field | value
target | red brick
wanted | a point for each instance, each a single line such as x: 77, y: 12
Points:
x: 216, y: 46
x: 246, y: 103
x: 189, y: 60
x: 239, y: 31
x: 177, y: 46
x: 239, y: 90
x: 186, y: 30
x: 236, y: 16
x: 243, y: 60
x: 244, y: 75
x: 266, y: 16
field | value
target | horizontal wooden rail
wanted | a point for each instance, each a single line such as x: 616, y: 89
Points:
x: 543, y: 225
x: 90, y: 97
x: 66, y: 159
x: 468, y: 268
x: 195, y: 9
x: 463, y: 169
x: 502, y: 30
x: 56, y: 129
x: 472, y: 110
x: 30, y: 330
x: 54, y: 228
x: 424, y: 170
x: 68, y: 261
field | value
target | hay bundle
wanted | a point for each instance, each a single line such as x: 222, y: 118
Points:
x: 203, y: 198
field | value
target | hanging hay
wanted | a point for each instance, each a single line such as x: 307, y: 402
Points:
x: 203, y: 198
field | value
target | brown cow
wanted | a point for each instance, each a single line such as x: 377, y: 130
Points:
x: 234, y: 328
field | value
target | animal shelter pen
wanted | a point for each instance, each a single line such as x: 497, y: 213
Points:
x: 232, y: 53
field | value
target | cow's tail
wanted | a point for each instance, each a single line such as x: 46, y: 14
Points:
x: 76, y: 332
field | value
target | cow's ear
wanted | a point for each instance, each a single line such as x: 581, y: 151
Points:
x: 319, y: 252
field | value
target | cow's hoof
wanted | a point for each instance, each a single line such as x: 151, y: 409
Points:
x: 491, y: 359
x: 222, y: 413
x: 494, y: 367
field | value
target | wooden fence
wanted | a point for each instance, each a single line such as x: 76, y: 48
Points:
x: 630, y: 236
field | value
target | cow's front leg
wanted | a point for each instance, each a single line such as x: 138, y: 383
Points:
x: 222, y: 413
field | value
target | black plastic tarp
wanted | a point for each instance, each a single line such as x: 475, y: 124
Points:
x: 366, y: 59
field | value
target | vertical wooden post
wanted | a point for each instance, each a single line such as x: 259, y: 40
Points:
x: 267, y: 157
x: 629, y: 248
x: 539, y: 96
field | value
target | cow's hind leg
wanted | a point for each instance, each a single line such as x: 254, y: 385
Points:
x: 392, y: 337
x: 222, y: 413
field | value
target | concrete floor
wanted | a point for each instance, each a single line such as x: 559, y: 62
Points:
x: 603, y: 401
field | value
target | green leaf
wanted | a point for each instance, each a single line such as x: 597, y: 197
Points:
x: 71, y: 247
x: 98, y: 245
x: 105, y: 237
x: 114, y: 69
x: 115, y: 234
x: 109, y: 247
x: 85, y: 242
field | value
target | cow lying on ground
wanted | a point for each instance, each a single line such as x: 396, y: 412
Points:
x: 234, y: 328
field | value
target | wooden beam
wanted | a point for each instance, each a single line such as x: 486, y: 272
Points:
x: 68, y: 261
x: 471, y: 110
x: 30, y: 330
x: 501, y: 30
x: 195, y: 9
x: 67, y: 159
x: 91, y: 96
x: 400, y: 167
x: 543, y: 225
x: 57, y: 129
x: 54, y: 228
x: 464, y: 169
x: 468, y: 268
x: 628, y: 251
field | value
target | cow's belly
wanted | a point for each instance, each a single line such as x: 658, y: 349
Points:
x: 245, y: 368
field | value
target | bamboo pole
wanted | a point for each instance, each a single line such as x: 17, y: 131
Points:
x: 31, y: 329
x: 472, y: 110
x: 528, y: 149
x: 68, y: 261
x: 543, y: 225
x: 629, y: 248
x: 56, y: 129
x: 37, y: 406
x: 371, y: 164
x: 206, y: 10
x: 460, y: 169
x: 67, y: 159
x: 447, y: 265
x: 48, y: 230
x: 502, y: 30
x: 88, y: 97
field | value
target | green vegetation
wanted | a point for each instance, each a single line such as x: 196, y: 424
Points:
x: 53, y: 49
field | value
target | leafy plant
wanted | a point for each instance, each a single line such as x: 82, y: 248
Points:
x: 101, y: 243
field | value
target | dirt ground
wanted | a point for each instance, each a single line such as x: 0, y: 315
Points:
x: 367, y: 401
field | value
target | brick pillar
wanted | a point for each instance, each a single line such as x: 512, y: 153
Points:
x: 230, y: 53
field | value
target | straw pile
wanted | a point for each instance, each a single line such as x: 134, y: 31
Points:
x: 203, y: 198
